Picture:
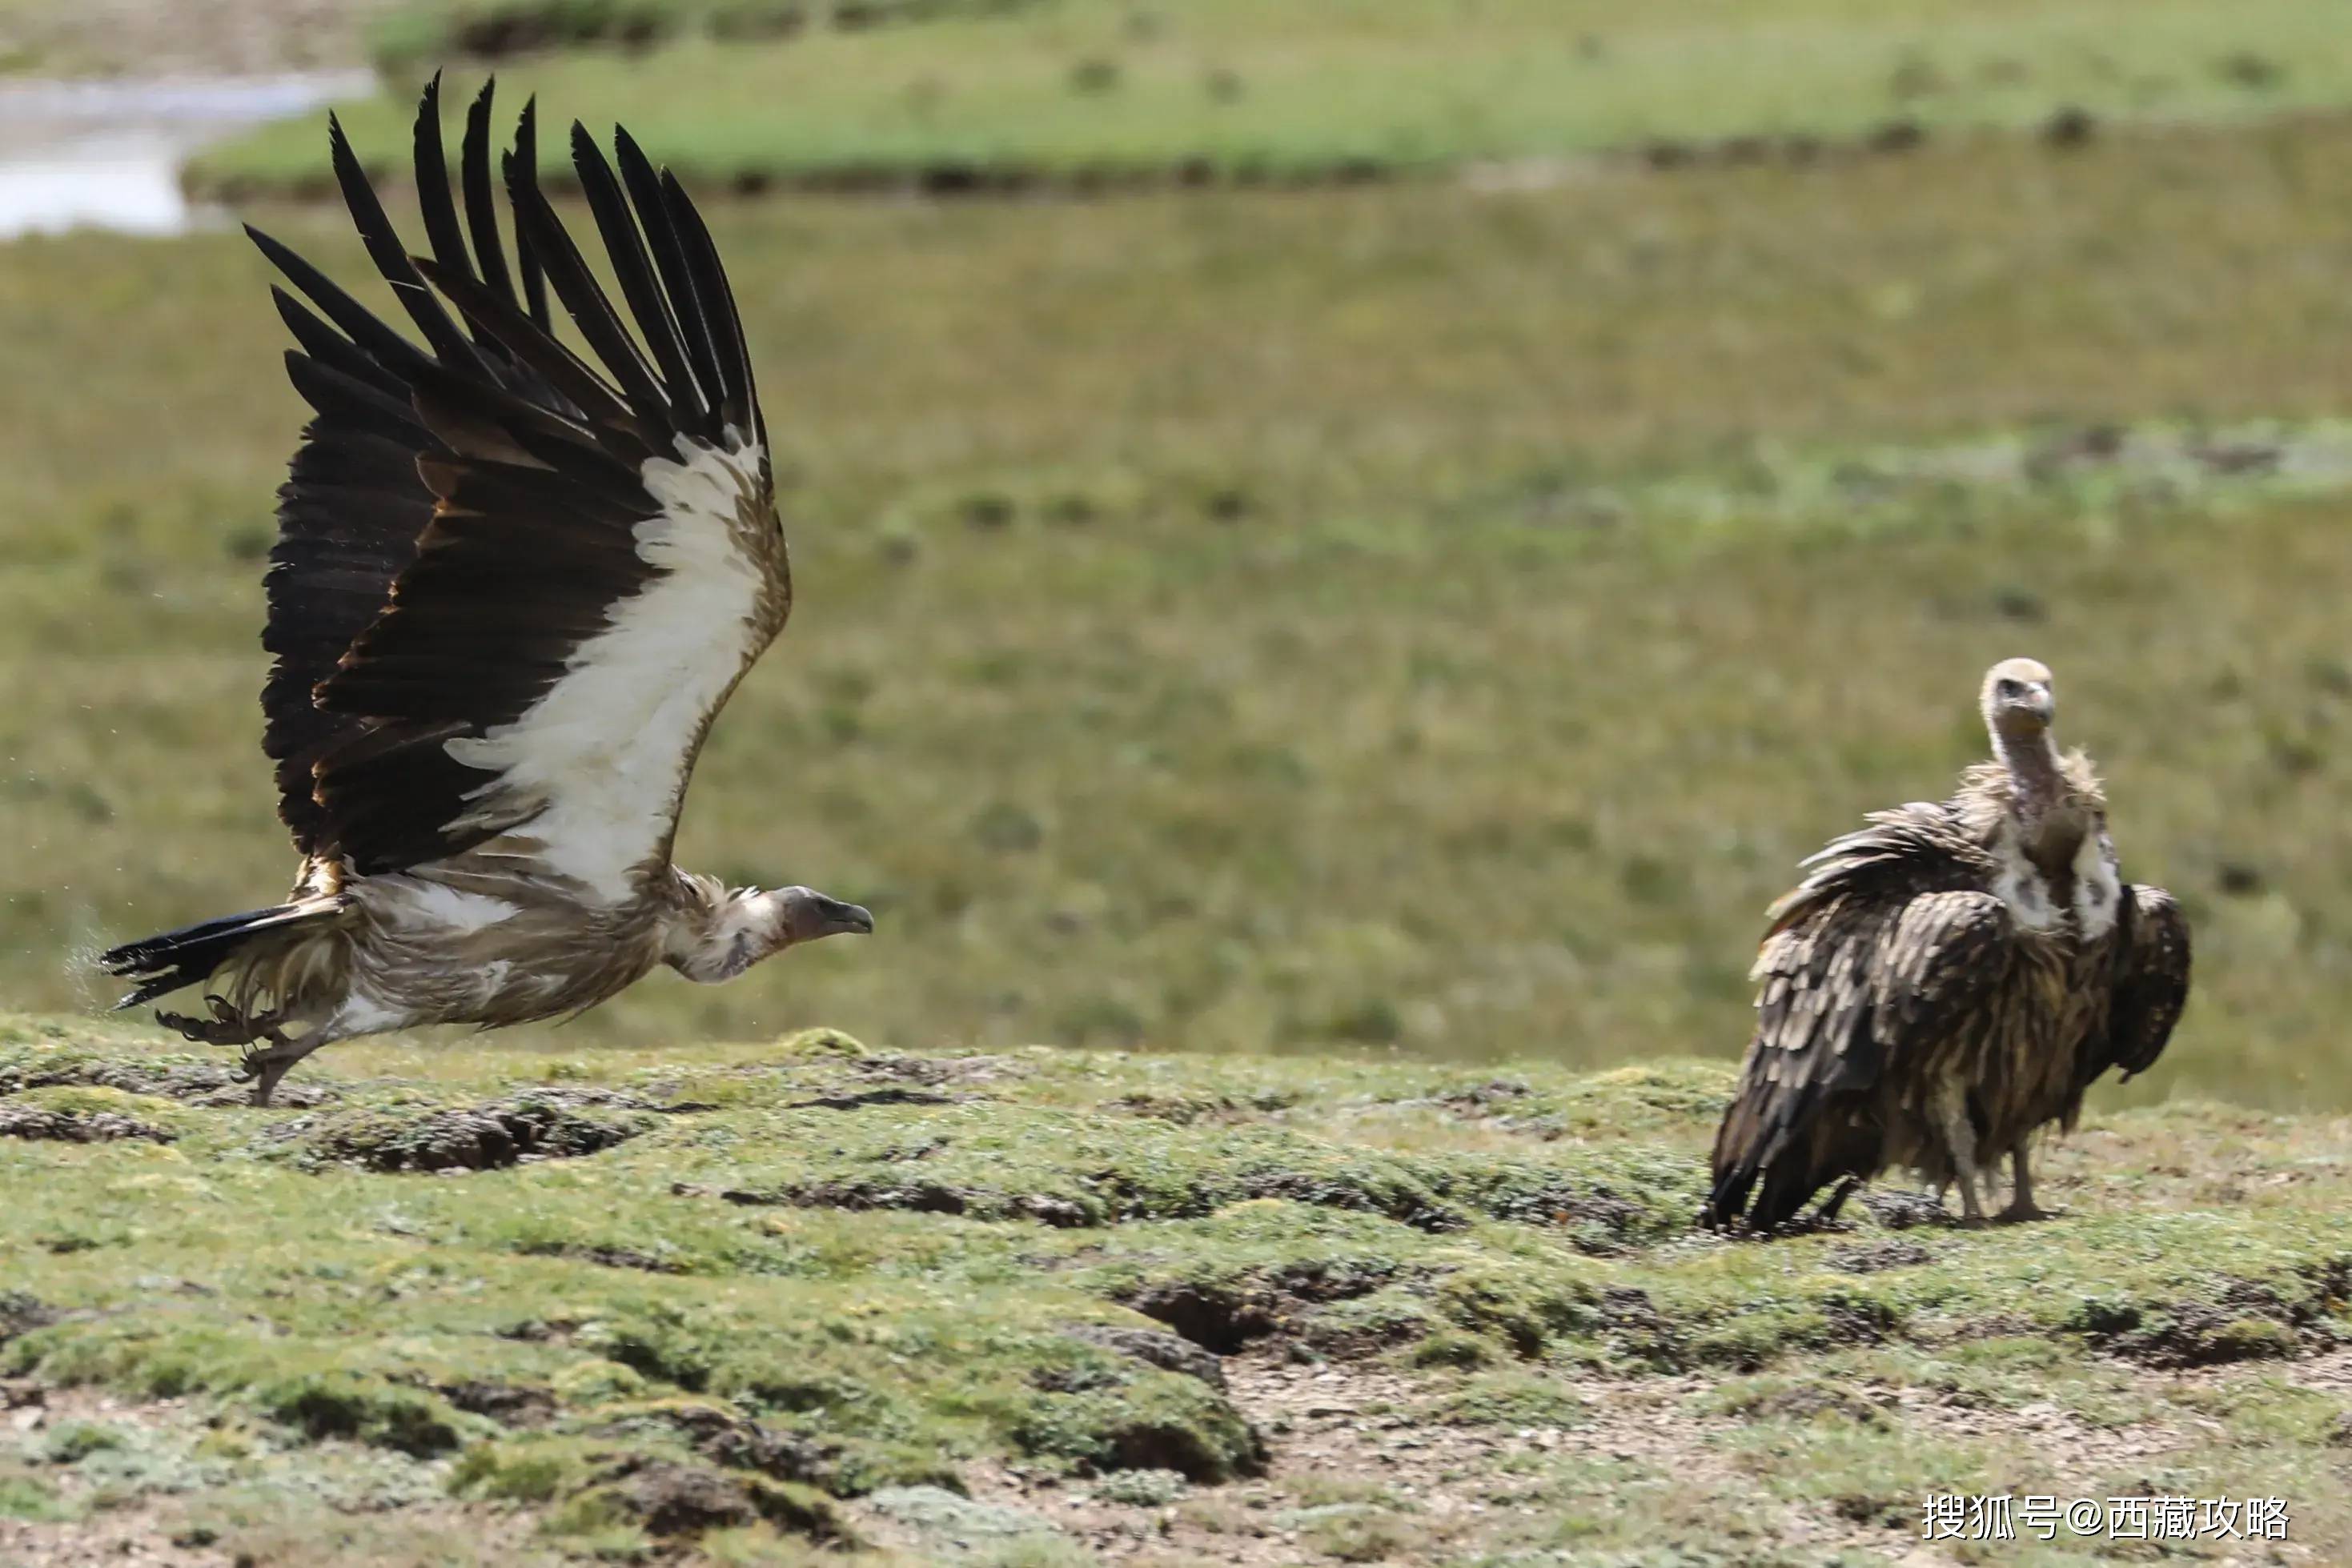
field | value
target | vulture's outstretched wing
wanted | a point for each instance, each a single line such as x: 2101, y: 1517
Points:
x: 2151, y: 985
x: 1884, y: 955
x: 513, y: 587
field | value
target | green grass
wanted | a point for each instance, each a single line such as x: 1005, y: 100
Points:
x: 545, y: 1350
x: 1412, y: 617
x: 1246, y: 89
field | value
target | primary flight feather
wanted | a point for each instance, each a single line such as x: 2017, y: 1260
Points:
x: 512, y: 588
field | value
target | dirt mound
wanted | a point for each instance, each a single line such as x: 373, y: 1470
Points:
x: 1167, y: 1352
x: 540, y: 1125
x: 191, y: 1080
x: 1223, y: 1316
x: 76, y: 1126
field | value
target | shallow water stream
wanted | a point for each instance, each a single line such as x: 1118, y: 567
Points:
x: 107, y: 154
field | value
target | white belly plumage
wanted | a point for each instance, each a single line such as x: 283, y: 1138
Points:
x: 433, y: 953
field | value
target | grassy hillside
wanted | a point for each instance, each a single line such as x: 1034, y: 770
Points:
x: 1246, y: 89
x: 470, y: 1305
x: 1427, y: 617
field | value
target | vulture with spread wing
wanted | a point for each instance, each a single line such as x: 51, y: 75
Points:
x: 1948, y: 981
x: 510, y: 592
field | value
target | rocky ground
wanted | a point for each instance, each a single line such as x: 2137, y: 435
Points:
x: 751, y: 1303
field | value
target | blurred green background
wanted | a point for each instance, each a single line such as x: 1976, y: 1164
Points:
x: 1387, y: 525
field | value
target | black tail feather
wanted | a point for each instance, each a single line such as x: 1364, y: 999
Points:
x: 165, y: 962
x: 1763, y: 1191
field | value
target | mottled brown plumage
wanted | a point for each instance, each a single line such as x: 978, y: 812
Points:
x: 1948, y: 981
x: 512, y: 590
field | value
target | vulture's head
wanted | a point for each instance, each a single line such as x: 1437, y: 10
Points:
x: 2020, y: 699
x: 749, y: 925
x: 804, y: 915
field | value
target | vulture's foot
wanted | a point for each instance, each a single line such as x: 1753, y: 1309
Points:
x: 2025, y: 1212
x: 226, y: 1027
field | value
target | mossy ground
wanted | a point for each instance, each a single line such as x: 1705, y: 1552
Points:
x: 1426, y: 619
x: 736, y: 1301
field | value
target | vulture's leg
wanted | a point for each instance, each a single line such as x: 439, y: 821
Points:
x: 1951, y: 1112
x: 266, y: 1067
x: 2021, y: 1204
x: 1828, y: 1212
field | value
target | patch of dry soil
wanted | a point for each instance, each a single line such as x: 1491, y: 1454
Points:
x: 1336, y: 1430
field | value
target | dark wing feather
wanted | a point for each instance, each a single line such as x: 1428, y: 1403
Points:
x: 521, y: 167
x: 1873, y: 966
x: 627, y: 250
x: 434, y: 203
x: 652, y: 205
x: 348, y: 519
x: 464, y: 596
x: 481, y: 202
x: 2151, y: 984
x: 391, y: 257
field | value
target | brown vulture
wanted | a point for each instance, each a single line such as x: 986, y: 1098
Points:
x: 511, y: 589
x: 1948, y: 980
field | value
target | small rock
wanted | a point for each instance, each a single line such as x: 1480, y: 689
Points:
x: 942, y: 1519
x: 1872, y: 1259
x: 1143, y: 1488
x: 1167, y: 1352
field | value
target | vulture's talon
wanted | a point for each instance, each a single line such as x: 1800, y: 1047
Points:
x: 214, y: 1030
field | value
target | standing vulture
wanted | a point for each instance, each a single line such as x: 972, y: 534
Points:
x: 1948, y: 980
x: 513, y: 587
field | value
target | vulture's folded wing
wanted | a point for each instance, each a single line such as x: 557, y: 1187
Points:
x: 2151, y: 985
x: 1879, y: 960
x: 599, y: 559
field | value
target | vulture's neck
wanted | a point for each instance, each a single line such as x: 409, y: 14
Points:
x: 2048, y: 820
x: 710, y: 933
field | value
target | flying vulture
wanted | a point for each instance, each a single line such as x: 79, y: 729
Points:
x: 1948, y: 981
x: 512, y: 588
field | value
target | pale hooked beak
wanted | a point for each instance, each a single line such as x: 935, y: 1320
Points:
x: 848, y: 917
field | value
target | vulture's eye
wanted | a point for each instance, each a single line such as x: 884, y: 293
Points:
x: 2007, y: 688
